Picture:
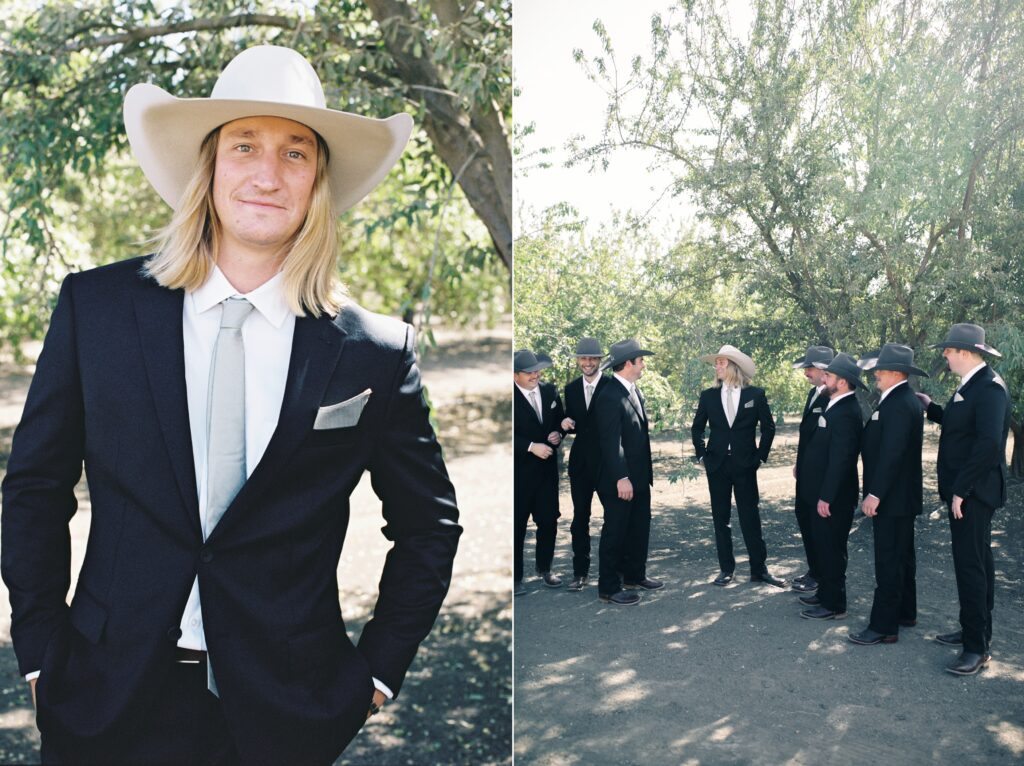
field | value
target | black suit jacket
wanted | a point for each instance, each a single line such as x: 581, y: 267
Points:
x: 972, y: 445
x: 109, y: 390
x: 891, y: 450
x: 813, y: 407
x: 585, y: 454
x: 753, y: 411
x: 828, y: 470
x: 530, y: 470
x: 623, y: 439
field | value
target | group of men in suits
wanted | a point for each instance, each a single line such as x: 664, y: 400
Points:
x: 611, y: 455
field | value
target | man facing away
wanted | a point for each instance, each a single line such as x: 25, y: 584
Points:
x: 972, y: 482
x: 225, y: 399
x: 625, y: 476
x: 814, y: 406
x: 584, y: 454
x: 891, y: 451
x: 735, y: 410
x: 828, y: 481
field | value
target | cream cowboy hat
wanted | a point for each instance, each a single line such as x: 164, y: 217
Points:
x: 166, y: 132
x: 733, y: 354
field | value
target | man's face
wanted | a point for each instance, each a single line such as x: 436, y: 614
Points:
x: 527, y: 380
x: 721, y: 366
x: 633, y: 369
x: 886, y: 379
x: 262, y: 181
x: 588, y: 365
x: 814, y: 376
x: 960, y: 362
x: 834, y: 384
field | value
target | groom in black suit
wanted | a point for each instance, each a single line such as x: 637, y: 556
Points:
x: 624, y: 477
x: 891, y: 450
x: 735, y: 410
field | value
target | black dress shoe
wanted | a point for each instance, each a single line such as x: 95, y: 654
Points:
x: 821, y: 613
x: 647, y: 584
x: 810, y: 600
x: 805, y: 586
x: 956, y: 638
x: 578, y: 583
x: 768, y: 579
x: 803, y: 578
x: 968, y: 663
x: 869, y: 637
x: 724, y: 578
x: 621, y: 598
x: 550, y: 580
x: 908, y: 623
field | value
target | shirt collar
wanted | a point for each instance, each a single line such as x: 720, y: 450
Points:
x: 885, y: 393
x: 969, y: 375
x: 526, y: 391
x: 628, y: 384
x: 268, y: 298
x: 833, y: 401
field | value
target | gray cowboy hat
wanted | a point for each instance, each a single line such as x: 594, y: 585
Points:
x: 898, y: 358
x: 969, y: 337
x: 544, y: 358
x: 526, y: 361
x: 623, y: 351
x: 843, y: 366
x: 589, y: 347
x: 868, y: 360
x: 733, y: 354
x: 812, y: 355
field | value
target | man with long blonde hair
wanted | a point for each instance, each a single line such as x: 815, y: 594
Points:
x: 731, y: 457
x: 225, y: 398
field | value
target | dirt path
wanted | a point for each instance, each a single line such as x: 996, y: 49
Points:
x: 698, y: 674
x: 455, y: 706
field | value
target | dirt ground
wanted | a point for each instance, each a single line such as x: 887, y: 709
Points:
x: 455, y: 705
x: 698, y: 674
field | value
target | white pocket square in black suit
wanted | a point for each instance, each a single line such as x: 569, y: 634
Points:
x: 343, y: 414
x: 748, y: 405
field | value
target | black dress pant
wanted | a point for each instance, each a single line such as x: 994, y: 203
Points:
x: 181, y: 724
x: 540, y: 502
x: 723, y: 482
x: 582, y: 489
x: 895, y: 574
x: 829, y: 536
x: 624, y: 539
x: 975, y: 573
x: 803, y: 520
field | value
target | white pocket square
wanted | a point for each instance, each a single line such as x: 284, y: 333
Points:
x: 874, y: 415
x: 552, y: 406
x: 748, y: 405
x: 821, y: 421
x: 816, y: 409
x: 957, y: 397
x: 343, y: 414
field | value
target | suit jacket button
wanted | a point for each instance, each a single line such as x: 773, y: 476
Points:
x: 173, y: 634
x: 206, y: 555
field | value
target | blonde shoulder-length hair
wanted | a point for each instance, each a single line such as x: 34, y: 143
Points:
x: 733, y: 377
x: 186, y: 249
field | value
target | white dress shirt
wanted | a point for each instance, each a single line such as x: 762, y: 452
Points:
x: 837, y: 398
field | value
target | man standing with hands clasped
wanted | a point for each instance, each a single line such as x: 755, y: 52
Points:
x: 538, y: 421
x: 891, y: 449
x: 584, y: 455
x: 225, y: 398
x: 972, y: 482
x: 624, y: 477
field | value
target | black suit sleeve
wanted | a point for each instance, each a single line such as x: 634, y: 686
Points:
x: 843, y: 448
x: 894, y: 430
x: 559, y: 413
x: 934, y: 412
x: 700, y: 421
x: 568, y: 411
x: 764, y: 417
x: 408, y: 474
x: 39, y: 491
x: 989, y: 413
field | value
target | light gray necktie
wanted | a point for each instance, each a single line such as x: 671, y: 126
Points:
x: 730, y: 406
x: 225, y: 423
x: 588, y: 389
x: 535, y: 402
x: 634, y: 396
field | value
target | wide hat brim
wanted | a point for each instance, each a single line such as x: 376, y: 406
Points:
x: 744, y: 362
x: 907, y: 369
x: 166, y: 133
x: 613, y: 361
x: 977, y: 348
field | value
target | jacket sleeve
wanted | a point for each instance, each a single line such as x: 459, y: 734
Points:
x: 843, y: 448
x: 700, y: 421
x: 408, y: 474
x: 39, y: 491
x: 609, y: 428
x: 893, y: 439
x: 559, y: 412
x: 568, y: 411
x: 934, y: 412
x: 764, y: 417
x: 989, y: 412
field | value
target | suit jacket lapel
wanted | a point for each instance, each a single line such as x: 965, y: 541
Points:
x: 317, y: 348
x: 158, y: 312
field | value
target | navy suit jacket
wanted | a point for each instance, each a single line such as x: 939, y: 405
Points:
x: 623, y: 440
x: 531, y: 471
x: 753, y: 413
x: 891, y: 450
x: 585, y: 454
x: 828, y: 469
x: 109, y: 391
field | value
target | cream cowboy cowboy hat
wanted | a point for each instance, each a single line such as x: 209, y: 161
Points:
x: 733, y: 354
x: 166, y: 132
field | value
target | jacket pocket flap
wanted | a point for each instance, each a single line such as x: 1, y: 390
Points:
x: 88, y: 617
